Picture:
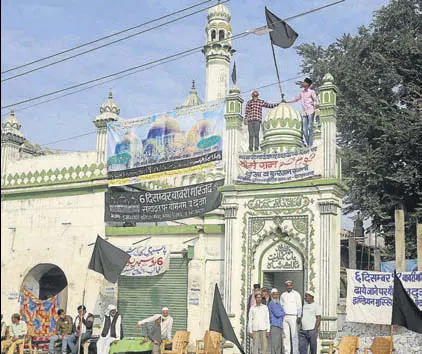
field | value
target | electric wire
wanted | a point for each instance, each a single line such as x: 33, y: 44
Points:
x: 240, y: 35
x: 107, y: 44
x: 105, y: 37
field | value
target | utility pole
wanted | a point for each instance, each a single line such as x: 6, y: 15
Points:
x: 400, y: 238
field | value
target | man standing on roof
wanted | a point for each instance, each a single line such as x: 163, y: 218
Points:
x: 253, y: 117
x: 309, y: 102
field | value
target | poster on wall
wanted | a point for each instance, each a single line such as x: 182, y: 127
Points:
x: 163, y: 205
x: 370, y: 294
x: 177, y: 140
x: 280, y: 167
x: 146, y: 261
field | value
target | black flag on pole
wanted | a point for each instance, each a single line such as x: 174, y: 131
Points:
x: 108, y: 260
x: 405, y: 312
x: 220, y: 321
x: 282, y: 34
x: 234, y: 76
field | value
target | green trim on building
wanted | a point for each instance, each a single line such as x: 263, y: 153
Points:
x: 298, y: 184
x: 162, y: 230
x: 56, y: 176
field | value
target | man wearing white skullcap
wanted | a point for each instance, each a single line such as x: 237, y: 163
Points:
x: 166, y: 323
x: 111, y: 331
x: 292, y: 305
x: 276, y: 322
x: 310, y: 324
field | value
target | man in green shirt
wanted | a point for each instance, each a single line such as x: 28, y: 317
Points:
x: 63, y: 331
x: 18, y: 331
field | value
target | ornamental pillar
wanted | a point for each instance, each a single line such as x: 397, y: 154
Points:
x: 233, y: 126
x: 329, y: 269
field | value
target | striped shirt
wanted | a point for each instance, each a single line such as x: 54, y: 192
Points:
x: 253, y: 109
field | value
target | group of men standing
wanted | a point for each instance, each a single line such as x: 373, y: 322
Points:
x: 274, y: 317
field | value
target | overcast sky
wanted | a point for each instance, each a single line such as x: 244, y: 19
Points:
x: 31, y: 30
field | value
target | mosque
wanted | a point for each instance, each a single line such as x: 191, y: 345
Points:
x: 52, y: 209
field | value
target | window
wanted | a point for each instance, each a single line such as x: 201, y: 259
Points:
x: 213, y: 35
x: 220, y: 35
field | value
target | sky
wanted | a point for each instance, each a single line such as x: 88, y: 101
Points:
x: 33, y: 29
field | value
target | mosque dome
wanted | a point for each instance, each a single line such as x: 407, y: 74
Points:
x: 109, y: 105
x: 193, y: 98
x: 219, y: 12
x: 282, y: 129
x: 165, y: 125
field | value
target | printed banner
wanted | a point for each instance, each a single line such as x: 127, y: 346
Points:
x: 280, y: 167
x: 147, y: 261
x: 370, y: 294
x: 164, y: 205
x: 39, y: 314
x: 173, y: 140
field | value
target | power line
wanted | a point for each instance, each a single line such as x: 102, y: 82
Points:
x: 95, y: 85
x: 120, y: 72
x: 107, y: 44
x: 105, y: 37
x: 180, y: 54
x: 243, y: 92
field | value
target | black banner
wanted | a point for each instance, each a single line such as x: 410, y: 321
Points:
x: 164, y: 205
x: 166, y: 166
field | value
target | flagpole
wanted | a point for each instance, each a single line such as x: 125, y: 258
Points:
x: 276, y: 69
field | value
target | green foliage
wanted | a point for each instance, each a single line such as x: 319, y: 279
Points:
x: 379, y: 75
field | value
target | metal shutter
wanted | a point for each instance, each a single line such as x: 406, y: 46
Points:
x: 141, y: 297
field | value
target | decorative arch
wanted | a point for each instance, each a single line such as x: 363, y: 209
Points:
x: 221, y: 35
x: 46, y: 280
x: 213, y: 35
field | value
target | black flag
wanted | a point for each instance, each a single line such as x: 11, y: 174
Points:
x: 234, y: 78
x: 405, y: 312
x: 282, y: 34
x: 220, y: 321
x: 108, y: 260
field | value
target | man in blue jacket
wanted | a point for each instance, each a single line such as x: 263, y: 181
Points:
x: 276, y: 321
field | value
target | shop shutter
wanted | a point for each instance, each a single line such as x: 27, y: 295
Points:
x: 141, y: 297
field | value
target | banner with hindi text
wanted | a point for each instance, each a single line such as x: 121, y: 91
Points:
x: 163, y: 205
x: 280, y: 167
x: 370, y: 294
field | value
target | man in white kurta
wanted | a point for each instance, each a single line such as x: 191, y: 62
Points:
x: 259, y: 326
x: 111, y: 330
x: 292, y: 304
x: 166, y: 323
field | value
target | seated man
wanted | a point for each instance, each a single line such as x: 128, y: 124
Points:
x: 81, y: 329
x: 18, y: 331
x: 4, y: 329
x: 64, y: 329
x: 155, y: 336
x: 111, y: 331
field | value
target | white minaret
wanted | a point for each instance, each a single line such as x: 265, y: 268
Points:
x: 218, y: 52
x: 109, y: 112
x: 11, y: 141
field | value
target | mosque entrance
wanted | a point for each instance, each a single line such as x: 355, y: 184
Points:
x: 279, y: 263
x: 277, y: 280
x: 46, y: 280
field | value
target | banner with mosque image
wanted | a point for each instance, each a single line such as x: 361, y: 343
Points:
x: 182, y: 141
x: 39, y: 314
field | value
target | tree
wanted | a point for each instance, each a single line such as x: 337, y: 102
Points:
x: 379, y: 75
